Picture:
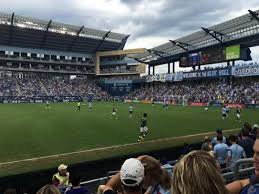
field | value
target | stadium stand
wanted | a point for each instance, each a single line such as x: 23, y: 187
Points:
x: 213, y: 90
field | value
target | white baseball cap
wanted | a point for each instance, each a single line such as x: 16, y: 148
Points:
x: 255, y: 126
x: 62, y: 167
x: 132, y: 169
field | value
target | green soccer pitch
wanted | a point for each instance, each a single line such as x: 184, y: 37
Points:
x: 33, y: 138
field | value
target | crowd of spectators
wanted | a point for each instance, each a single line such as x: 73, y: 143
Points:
x: 8, y: 87
x: 36, y: 87
x: 205, y: 91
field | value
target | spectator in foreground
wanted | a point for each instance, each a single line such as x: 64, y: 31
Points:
x: 247, y: 185
x: 206, y: 146
x: 157, y: 179
x: 197, y: 173
x: 76, y: 188
x: 131, y: 178
x: 61, y: 178
x: 247, y: 143
x: 221, y: 150
x: 235, y: 152
x: 219, y: 134
x: 48, y: 189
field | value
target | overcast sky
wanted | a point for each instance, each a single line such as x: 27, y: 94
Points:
x: 150, y: 22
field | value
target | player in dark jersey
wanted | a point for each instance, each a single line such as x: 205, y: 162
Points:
x: 238, y: 113
x: 143, y: 128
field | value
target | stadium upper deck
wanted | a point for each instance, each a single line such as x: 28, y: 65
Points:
x: 30, y: 32
x: 30, y: 45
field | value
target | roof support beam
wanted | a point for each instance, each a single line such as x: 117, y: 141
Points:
x: 254, y: 14
x: 123, y: 42
x: 74, y: 40
x: 183, y: 46
x: 214, y: 34
x: 138, y: 60
x: 11, y: 30
x: 103, y: 39
x: 48, y: 26
x: 12, y: 19
x: 79, y: 31
x: 46, y: 33
x: 154, y: 52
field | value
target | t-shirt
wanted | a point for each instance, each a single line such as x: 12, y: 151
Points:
x: 80, y: 190
x: 221, y: 150
x: 236, y: 152
x: 252, y: 187
x: 247, y: 144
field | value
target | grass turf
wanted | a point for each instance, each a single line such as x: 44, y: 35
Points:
x: 29, y: 131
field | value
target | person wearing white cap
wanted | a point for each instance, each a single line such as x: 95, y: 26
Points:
x: 61, y: 178
x: 131, y: 177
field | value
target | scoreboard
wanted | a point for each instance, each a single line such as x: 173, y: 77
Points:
x: 215, y: 55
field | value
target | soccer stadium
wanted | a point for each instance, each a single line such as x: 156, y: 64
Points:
x: 75, y: 104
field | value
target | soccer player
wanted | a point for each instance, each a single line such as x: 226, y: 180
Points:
x: 78, y: 106
x: 130, y: 110
x: 47, y: 105
x: 90, y: 106
x: 143, y: 128
x: 238, y: 112
x: 206, y: 107
x: 224, y: 112
x: 114, y: 112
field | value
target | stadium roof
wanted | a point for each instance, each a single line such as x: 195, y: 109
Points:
x: 221, y: 34
x: 30, y: 32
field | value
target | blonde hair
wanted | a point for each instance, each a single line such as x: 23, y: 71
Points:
x: 48, y: 189
x: 197, y: 172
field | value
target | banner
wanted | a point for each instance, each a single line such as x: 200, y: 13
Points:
x: 207, y: 73
x: 178, y: 77
x: 246, y: 70
x: 159, y: 78
x: 235, y: 105
x: 198, y: 104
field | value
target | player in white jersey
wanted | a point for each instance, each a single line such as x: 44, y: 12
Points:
x: 47, y: 105
x: 130, y: 110
x: 224, y: 112
x: 90, y: 106
x: 78, y: 106
x: 238, y: 113
x: 206, y: 107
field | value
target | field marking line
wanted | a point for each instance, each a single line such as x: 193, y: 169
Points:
x: 110, y: 147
